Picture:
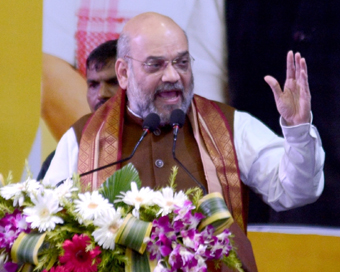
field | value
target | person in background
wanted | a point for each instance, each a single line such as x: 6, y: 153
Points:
x: 101, y: 77
x: 72, y: 29
x: 101, y: 82
x: 226, y: 150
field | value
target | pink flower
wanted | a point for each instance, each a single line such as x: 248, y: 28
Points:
x: 57, y: 269
x: 76, y: 258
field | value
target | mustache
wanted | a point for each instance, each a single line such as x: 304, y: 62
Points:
x: 178, y: 86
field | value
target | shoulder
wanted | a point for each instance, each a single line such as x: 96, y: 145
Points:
x: 227, y: 111
x: 79, y: 125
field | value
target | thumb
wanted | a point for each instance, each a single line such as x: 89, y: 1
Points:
x: 274, y: 85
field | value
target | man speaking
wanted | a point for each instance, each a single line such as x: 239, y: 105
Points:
x: 225, y: 150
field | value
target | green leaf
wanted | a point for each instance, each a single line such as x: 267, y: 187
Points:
x: 28, y: 171
x: 119, y: 182
x: 172, y: 178
x: 216, y: 211
x: 133, y: 233
x: 233, y: 261
x: 25, y: 248
x: 139, y: 262
x: 113, y: 260
x: 6, y: 206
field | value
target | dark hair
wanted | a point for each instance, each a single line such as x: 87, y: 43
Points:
x: 102, y: 54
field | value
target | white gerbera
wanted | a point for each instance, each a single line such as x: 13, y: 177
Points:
x: 18, y: 190
x: 167, y: 200
x: 91, y: 205
x: 41, y: 215
x: 137, y: 198
x: 108, y: 222
x: 65, y: 189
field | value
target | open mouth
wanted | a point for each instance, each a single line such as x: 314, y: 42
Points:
x: 169, y: 96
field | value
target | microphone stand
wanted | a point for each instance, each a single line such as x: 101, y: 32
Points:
x: 175, y: 132
x: 150, y: 124
x: 145, y: 131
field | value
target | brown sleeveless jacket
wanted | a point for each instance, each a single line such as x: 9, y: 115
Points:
x: 153, y: 158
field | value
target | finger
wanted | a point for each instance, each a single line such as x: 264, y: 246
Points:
x: 303, y: 65
x: 297, y: 65
x: 290, y: 73
x: 303, y: 69
x: 304, y: 83
x: 274, y: 85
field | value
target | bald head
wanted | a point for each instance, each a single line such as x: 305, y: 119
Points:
x: 148, y: 29
x: 150, y: 22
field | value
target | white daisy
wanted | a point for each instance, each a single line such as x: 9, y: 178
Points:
x: 41, y: 215
x: 91, y: 205
x: 65, y: 189
x: 48, y: 182
x: 18, y: 190
x: 167, y: 200
x: 137, y: 198
x: 108, y: 222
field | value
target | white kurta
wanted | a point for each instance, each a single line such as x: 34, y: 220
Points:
x: 287, y: 172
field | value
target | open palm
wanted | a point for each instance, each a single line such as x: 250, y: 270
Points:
x: 294, y: 102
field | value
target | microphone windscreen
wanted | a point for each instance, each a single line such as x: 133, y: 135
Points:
x: 177, y: 117
x: 151, y: 122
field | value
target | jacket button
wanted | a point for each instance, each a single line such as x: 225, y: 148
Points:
x: 159, y: 163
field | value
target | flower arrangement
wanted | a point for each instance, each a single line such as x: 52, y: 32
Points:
x: 120, y: 227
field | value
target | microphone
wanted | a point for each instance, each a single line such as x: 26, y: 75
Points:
x: 177, y: 119
x: 150, y: 124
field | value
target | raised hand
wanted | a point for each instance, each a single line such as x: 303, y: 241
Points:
x: 294, y: 102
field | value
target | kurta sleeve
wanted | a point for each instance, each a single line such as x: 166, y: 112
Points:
x: 287, y: 172
x: 65, y: 160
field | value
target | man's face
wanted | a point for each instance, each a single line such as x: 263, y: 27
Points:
x: 102, y: 84
x: 160, y: 90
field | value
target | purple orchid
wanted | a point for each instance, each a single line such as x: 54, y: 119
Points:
x: 162, y: 225
x: 178, y: 244
x: 10, y: 267
x: 175, y: 259
x: 11, y: 225
x: 184, y: 212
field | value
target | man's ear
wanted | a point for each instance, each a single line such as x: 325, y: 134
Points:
x: 122, y: 73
